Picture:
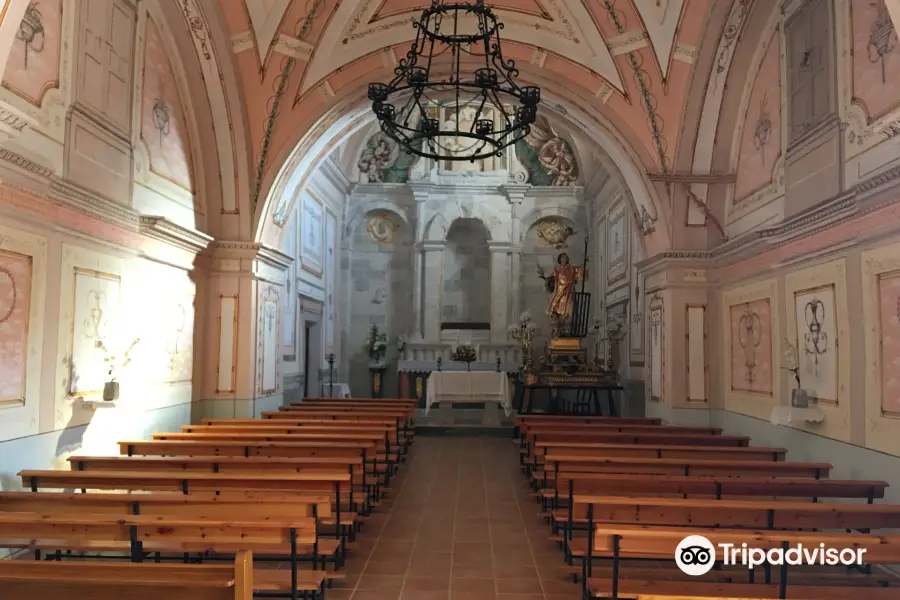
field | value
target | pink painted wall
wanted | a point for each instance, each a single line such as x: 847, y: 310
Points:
x: 33, y: 68
x: 15, y: 295
x: 761, y: 139
x: 751, y: 347
x: 163, y: 126
x: 876, y: 58
x: 889, y: 306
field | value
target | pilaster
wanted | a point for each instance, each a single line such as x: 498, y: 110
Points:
x: 432, y: 276
x: 500, y: 290
x: 515, y: 194
x: 420, y: 194
x: 243, y: 375
x: 678, y: 301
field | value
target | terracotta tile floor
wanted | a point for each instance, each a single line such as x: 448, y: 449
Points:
x: 459, y: 525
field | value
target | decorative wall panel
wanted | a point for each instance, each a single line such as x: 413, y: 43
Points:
x: 751, y: 347
x: 881, y: 316
x: 818, y: 324
x: 269, y: 335
x: 636, y: 308
x: 163, y: 127
x: 331, y: 225
x: 312, y: 222
x: 760, y: 148
x: 227, y: 354
x: 178, y: 329
x: 289, y: 302
x: 657, y: 346
x: 815, y: 340
x: 23, y: 271
x: 749, y: 318
x: 889, y: 317
x: 696, y: 353
x: 16, y: 280
x: 33, y: 64
x: 95, y: 310
x: 617, y: 243
x: 876, y: 59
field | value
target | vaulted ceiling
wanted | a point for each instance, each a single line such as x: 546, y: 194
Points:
x: 631, y: 63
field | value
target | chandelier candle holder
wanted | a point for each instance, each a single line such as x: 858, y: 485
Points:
x: 455, y: 35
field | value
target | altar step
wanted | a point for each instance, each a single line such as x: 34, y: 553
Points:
x: 466, y: 415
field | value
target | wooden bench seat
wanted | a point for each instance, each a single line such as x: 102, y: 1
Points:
x: 42, y: 580
x: 681, y: 451
x: 532, y: 430
x: 658, y: 436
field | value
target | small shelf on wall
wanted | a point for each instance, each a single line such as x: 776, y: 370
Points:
x: 792, y: 415
x: 95, y: 404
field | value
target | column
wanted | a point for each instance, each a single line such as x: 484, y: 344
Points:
x: 500, y: 271
x: 432, y: 258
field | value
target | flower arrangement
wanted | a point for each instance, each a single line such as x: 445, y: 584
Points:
x: 376, y: 345
x: 115, y: 362
x: 401, y: 342
x: 464, y: 353
x: 792, y: 361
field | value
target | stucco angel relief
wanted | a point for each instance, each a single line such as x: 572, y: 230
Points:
x: 548, y: 158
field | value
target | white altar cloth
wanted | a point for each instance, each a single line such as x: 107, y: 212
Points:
x: 338, y: 390
x: 465, y: 386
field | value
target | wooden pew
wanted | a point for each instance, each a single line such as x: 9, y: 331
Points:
x: 138, y: 535
x: 618, y: 542
x: 107, y: 580
x: 384, y: 446
x: 521, y: 420
x: 188, y: 482
x: 403, y: 419
x: 655, y: 435
x: 209, y: 506
x: 229, y: 464
x: 532, y: 429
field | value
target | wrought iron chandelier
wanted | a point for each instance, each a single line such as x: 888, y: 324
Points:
x: 488, y: 111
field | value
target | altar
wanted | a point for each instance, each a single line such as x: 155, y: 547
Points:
x: 469, y: 387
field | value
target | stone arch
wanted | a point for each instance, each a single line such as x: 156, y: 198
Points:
x: 360, y: 211
x: 438, y: 225
x: 343, y: 118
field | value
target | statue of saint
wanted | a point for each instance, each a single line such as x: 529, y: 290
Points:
x: 561, y: 284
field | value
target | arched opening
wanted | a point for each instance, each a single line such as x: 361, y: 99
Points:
x: 466, y: 279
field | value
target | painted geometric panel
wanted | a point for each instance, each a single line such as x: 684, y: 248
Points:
x: 751, y: 347
x: 163, y: 126
x: 15, y: 306
x: 270, y: 344
x: 95, y: 319
x: 657, y: 341
x: 889, y: 315
x: 331, y: 275
x: 817, y: 342
x: 33, y: 65
x: 179, y: 338
x: 312, y: 225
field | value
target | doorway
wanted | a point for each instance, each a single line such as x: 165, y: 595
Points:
x: 312, y: 357
x: 307, y: 334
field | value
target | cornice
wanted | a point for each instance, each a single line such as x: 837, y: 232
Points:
x: 251, y: 250
x: 335, y: 174
x: 169, y: 232
x: 20, y: 162
x: 87, y: 202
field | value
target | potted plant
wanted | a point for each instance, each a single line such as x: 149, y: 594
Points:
x: 799, y: 397
x: 376, y: 347
x: 114, y: 362
x: 464, y: 353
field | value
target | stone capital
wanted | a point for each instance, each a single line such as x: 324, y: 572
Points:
x: 431, y: 246
x: 515, y: 192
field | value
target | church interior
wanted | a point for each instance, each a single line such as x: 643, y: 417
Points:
x: 411, y: 300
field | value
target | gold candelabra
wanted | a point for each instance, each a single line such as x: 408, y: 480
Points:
x: 524, y: 334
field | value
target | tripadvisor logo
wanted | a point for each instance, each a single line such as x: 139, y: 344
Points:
x: 695, y: 555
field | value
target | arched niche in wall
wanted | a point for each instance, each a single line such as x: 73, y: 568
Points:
x: 466, y: 276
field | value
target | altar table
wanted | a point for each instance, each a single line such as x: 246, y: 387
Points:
x: 465, y: 386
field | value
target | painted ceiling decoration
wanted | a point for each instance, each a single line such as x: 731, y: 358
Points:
x: 265, y: 17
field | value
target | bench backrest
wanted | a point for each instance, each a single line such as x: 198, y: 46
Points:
x: 185, y: 481
x: 342, y: 437
x: 207, y: 505
x: 196, y: 447
x: 542, y: 428
x: 659, y: 436
x: 587, y: 452
x: 673, y: 466
x: 173, y: 531
x: 527, y: 419
x: 301, y: 421
x: 382, y: 430
x: 712, y: 487
x: 108, y: 580
x: 739, y: 513
x: 214, y: 464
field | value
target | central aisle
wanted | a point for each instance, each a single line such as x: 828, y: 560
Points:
x: 460, y: 524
